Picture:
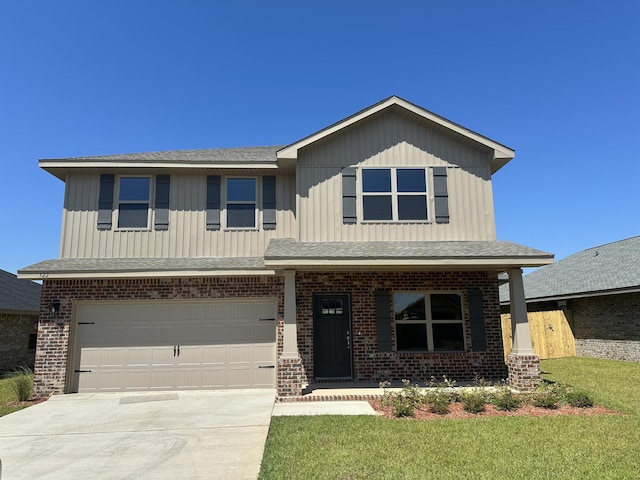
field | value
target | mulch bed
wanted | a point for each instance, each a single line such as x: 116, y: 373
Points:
x: 27, y: 403
x: 457, y: 411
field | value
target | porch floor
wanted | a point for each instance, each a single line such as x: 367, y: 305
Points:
x: 345, y: 391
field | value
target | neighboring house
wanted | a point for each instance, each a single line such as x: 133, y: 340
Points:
x: 19, y: 311
x: 365, y: 251
x: 598, y: 291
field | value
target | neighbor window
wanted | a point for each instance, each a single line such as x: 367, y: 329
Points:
x: 133, y: 202
x: 394, y: 194
x: 241, y: 202
x: 428, y: 322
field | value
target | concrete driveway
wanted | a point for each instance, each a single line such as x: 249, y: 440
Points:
x: 156, y: 435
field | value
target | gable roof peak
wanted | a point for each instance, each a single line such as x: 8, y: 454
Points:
x: 501, y: 153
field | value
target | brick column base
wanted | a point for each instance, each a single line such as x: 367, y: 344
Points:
x: 290, y: 377
x: 524, y: 371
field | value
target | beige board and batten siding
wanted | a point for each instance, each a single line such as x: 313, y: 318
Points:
x: 386, y: 140
x: 179, y: 345
x: 187, y: 235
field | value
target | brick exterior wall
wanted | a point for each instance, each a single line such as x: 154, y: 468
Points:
x: 368, y: 363
x: 371, y: 365
x: 53, y: 340
x: 606, y: 326
x: 15, y: 330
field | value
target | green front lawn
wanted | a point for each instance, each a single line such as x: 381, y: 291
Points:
x: 596, y: 447
x: 7, y: 395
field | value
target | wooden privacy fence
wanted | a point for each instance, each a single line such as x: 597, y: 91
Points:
x: 551, y: 334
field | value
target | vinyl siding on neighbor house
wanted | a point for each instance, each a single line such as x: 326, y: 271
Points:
x: 187, y: 235
x: 385, y: 140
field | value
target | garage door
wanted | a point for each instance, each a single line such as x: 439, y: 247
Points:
x: 162, y: 346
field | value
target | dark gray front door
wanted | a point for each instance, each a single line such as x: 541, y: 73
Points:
x: 332, y: 336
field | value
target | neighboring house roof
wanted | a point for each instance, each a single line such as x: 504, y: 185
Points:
x: 501, y: 153
x: 18, y: 295
x: 140, y: 267
x: 497, y: 255
x: 606, y: 269
x: 242, y: 157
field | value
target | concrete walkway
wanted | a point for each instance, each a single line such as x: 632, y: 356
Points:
x: 322, y: 408
x: 143, y: 435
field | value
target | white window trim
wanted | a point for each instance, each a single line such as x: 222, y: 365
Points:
x: 430, y: 322
x: 116, y: 209
x: 224, y: 212
x: 394, y: 194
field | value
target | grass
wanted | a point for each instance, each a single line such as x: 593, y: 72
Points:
x: 565, y: 447
x: 8, y: 392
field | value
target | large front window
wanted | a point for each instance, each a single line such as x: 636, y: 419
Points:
x: 133, y: 202
x: 394, y: 194
x: 428, y: 322
x: 241, y: 202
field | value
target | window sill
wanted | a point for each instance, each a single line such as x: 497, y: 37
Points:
x: 396, y: 222
x: 132, y: 229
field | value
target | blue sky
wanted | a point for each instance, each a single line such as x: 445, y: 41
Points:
x: 558, y: 81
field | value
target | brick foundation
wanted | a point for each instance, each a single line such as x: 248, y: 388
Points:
x: 524, y: 371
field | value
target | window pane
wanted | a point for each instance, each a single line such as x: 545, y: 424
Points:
x: 242, y: 216
x: 133, y: 215
x: 411, y: 180
x: 448, y: 336
x: 331, y: 306
x: 411, y: 336
x: 408, y: 306
x: 412, y: 207
x: 376, y: 180
x: 134, y: 188
x: 376, y: 208
x: 446, y: 306
x: 241, y: 190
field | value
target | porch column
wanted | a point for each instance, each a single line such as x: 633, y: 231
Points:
x: 290, y: 369
x: 523, y: 363
x: 290, y: 330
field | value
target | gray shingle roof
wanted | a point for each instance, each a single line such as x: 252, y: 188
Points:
x: 610, y: 267
x: 17, y: 294
x: 211, y: 155
x: 289, y: 248
x: 143, y: 265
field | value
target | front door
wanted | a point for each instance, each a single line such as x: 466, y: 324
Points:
x: 332, y: 336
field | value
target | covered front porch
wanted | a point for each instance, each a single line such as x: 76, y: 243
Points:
x: 374, y: 340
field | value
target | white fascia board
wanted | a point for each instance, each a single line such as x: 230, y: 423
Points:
x: 499, y: 263
x: 138, y: 274
x: 500, y: 151
x: 50, y: 165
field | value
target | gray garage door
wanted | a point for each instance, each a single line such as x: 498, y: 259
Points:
x: 167, y: 346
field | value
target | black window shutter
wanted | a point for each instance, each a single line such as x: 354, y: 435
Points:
x: 105, y: 201
x: 383, y: 320
x: 476, y: 320
x: 349, y: 195
x: 269, y: 202
x: 162, y: 202
x: 441, y: 194
x: 213, y: 202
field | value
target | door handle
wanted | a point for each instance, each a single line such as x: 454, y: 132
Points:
x: 178, y: 350
x: 348, y: 340
x: 175, y: 350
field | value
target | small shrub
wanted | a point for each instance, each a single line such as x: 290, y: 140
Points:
x: 579, y: 399
x: 474, y: 400
x: 441, y: 395
x: 504, y: 399
x: 549, y: 395
x: 22, y: 383
x: 404, y: 402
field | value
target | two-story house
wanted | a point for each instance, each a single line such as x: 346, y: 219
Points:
x: 363, y: 252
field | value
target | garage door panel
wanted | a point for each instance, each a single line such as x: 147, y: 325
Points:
x: 181, y: 345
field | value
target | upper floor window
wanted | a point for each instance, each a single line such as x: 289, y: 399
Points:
x: 428, y: 322
x: 241, y: 204
x: 133, y: 202
x: 394, y: 194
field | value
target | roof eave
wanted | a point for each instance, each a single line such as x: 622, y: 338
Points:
x: 84, y: 274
